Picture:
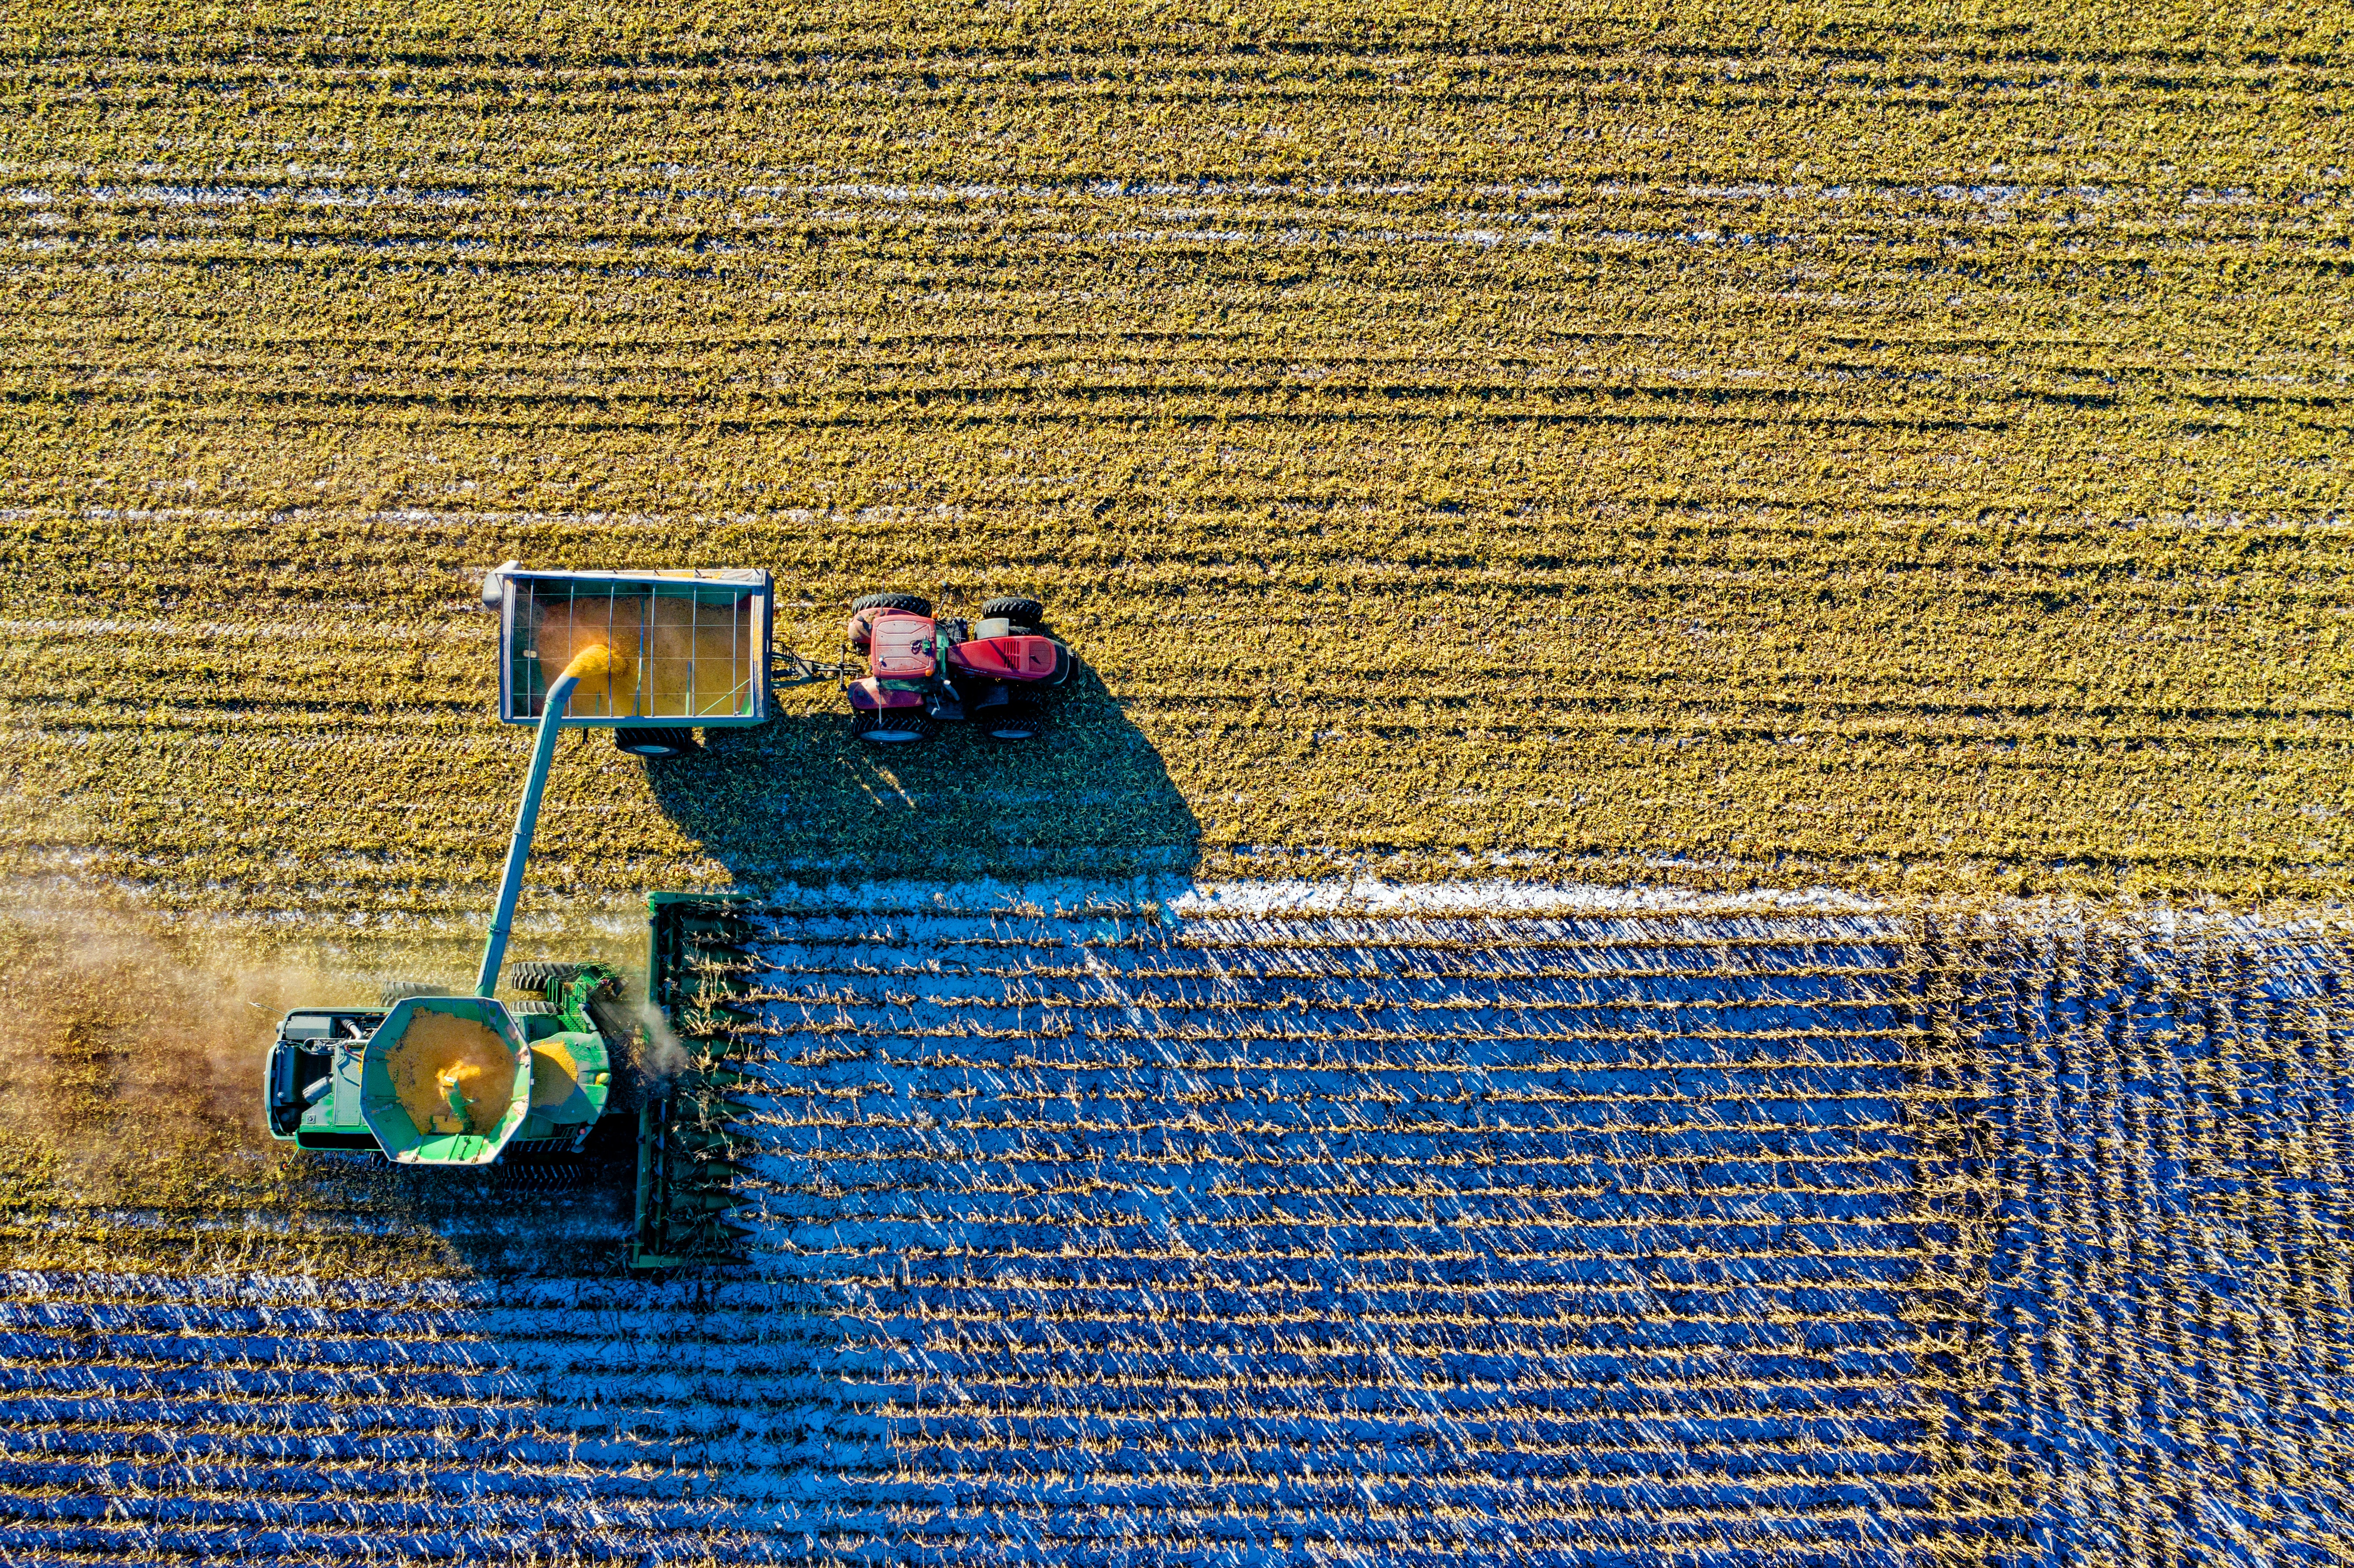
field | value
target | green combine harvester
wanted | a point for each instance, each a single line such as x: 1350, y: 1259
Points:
x: 559, y: 1076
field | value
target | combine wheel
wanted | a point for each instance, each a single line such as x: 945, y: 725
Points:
x: 913, y: 604
x: 401, y: 991
x: 536, y: 974
x: 891, y: 726
x: 531, y: 1009
x: 1022, y: 612
x: 656, y: 743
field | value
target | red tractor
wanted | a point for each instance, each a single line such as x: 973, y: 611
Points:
x: 994, y: 672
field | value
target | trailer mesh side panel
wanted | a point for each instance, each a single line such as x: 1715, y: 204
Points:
x: 693, y: 652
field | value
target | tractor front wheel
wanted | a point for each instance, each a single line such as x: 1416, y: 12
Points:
x: 891, y: 726
x: 656, y: 743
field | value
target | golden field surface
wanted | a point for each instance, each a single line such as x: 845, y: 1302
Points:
x: 1712, y: 446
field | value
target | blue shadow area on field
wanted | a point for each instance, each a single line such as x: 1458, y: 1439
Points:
x: 1409, y: 1240
x: 799, y: 799
x: 1090, y: 1231
x: 2172, y: 1128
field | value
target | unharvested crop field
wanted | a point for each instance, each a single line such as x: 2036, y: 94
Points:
x: 1701, y: 445
x: 1230, y: 1231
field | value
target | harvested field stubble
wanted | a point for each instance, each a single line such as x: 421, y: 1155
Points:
x: 130, y: 1131
x: 1663, y: 447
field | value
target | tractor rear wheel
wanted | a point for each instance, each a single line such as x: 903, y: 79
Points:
x: 912, y: 603
x: 891, y: 726
x: 1020, y: 611
x: 401, y: 991
x: 656, y: 743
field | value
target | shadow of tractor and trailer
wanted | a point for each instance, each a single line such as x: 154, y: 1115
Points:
x: 801, y: 799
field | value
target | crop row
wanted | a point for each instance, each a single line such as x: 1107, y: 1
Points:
x: 1440, y: 1264
x: 1057, y: 1308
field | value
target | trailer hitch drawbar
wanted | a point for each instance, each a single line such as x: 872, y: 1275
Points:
x: 799, y: 670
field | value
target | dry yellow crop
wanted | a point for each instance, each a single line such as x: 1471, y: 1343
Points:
x: 1715, y: 448
x: 1894, y: 447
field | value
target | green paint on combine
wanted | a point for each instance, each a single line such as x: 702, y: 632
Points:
x: 583, y: 1094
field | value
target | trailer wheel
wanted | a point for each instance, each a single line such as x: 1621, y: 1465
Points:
x: 891, y: 726
x: 656, y: 743
x: 401, y: 991
x: 1020, y: 611
x: 536, y: 974
x: 914, y: 604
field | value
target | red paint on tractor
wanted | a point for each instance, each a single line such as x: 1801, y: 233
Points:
x: 1006, y: 658
x: 901, y: 646
x: 925, y: 670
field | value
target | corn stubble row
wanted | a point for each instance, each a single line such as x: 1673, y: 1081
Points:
x: 1684, y: 453
x: 1077, y: 1233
